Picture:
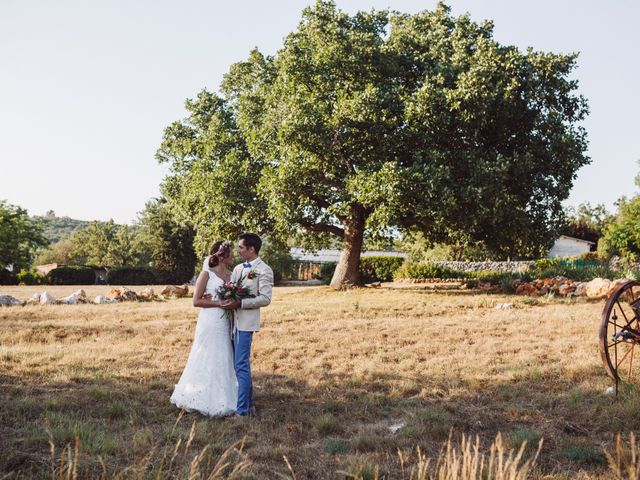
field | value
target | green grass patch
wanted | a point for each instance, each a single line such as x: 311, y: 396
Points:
x: 115, y: 409
x: 94, y: 438
x: 584, y: 455
x: 334, y: 447
x: 522, y: 434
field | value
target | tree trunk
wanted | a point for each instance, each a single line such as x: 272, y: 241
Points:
x: 348, y: 269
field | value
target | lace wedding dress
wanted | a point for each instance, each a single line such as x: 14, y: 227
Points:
x: 208, y: 383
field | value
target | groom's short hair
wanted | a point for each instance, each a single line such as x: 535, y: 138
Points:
x: 252, y: 240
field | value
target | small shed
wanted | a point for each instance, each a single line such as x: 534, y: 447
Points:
x: 44, y: 269
x: 569, y: 247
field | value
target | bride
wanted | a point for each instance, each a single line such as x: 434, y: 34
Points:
x: 208, y: 383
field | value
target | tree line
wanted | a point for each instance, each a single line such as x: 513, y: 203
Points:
x: 156, y: 240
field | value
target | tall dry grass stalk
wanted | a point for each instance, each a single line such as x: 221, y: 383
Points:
x: 624, y: 461
x: 470, y: 464
x: 67, y: 464
x: 466, y: 462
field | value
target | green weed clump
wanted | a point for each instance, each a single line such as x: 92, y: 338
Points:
x: 581, y: 270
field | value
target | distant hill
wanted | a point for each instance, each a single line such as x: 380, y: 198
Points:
x: 57, y: 228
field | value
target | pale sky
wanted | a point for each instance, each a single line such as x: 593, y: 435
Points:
x: 87, y: 87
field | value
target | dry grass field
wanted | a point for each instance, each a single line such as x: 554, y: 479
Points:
x: 333, y: 371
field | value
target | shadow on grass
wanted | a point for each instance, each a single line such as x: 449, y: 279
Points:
x: 339, y: 422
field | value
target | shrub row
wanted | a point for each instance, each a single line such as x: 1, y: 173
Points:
x: 71, y: 276
x: 130, y: 276
x: 372, y: 269
x: 7, y: 277
x: 79, y: 275
x: 379, y: 269
x: 576, y: 269
x: 579, y: 269
x: 143, y: 276
x: 385, y: 269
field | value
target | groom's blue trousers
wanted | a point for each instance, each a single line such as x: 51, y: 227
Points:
x: 242, y: 364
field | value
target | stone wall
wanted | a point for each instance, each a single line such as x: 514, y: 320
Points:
x: 503, y: 267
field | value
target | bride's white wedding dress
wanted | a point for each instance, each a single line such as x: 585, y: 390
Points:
x: 208, y: 383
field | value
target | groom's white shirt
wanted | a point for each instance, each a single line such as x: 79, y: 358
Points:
x: 261, y: 285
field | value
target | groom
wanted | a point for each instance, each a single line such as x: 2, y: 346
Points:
x: 257, y: 276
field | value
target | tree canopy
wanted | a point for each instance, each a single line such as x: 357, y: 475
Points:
x: 622, y: 231
x: 169, y: 243
x: 586, y: 222
x: 377, y: 122
x: 20, y: 237
x: 107, y: 243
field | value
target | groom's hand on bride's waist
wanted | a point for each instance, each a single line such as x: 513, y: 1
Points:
x: 231, y: 304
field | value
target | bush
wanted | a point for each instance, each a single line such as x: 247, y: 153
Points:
x: 577, y: 269
x: 7, y: 277
x: 71, y: 276
x: 131, y: 276
x: 166, y: 277
x: 379, y: 269
x: 421, y: 271
x: 30, y: 277
x: 162, y: 276
x: 326, y: 272
x: 504, y: 279
x: 277, y: 256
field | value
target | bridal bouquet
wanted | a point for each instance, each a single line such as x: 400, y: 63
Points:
x: 233, y: 291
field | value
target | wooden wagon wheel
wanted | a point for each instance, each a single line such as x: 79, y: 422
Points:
x: 620, y: 333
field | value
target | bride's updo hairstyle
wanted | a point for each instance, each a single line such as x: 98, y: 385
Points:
x: 218, y: 251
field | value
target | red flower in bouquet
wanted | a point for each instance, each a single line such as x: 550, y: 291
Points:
x: 233, y: 291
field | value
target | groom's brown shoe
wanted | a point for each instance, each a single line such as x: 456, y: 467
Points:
x: 237, y: 417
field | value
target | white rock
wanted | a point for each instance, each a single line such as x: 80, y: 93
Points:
x: 101, y: 299
x: 79, y: 296
x: 47, y: 299
x: 396, y: 427
x: 70, y: 300
x: 610, y: 391
x: 598, y: 288
x: 8, y: 300
x: 34, y: 300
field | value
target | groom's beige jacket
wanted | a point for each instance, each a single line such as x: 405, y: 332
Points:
x: 261, y: 285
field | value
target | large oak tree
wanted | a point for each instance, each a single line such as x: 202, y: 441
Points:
x: 382, y: 121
